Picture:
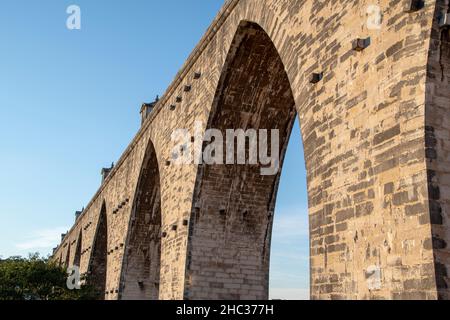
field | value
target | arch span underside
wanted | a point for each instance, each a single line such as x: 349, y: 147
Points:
x: 67, y: 261
x: 77, y: 258
x: 98, y: 264
x: 141, y: 268
x: 233, y: 205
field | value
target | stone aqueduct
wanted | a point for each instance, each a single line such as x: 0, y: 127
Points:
x: 376, y: 132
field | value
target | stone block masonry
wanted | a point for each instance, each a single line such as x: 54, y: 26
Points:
x: 369, y: 81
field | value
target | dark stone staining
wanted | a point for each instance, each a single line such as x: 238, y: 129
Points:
x: 359, y: 197
x: 347, y: 55
x: 386, y: 135
x: 412, y: 71
x: 341, y: 227
x: 364, y: 209
x: 424, y: 219
x: 428, y: 244
x: 380, y: 58
x: 393, y: 49
x: 385, y: 166
x: 317, y: 220
x: 397, y: 89
x: 408, y: 110
x: 389, y: 188
x: 313, y: 142
x: 402, y: 153
x: 361, y: 186
x: 316, y: 198
x: 404, y: 197
x: 336, y: 248
x: 345, y: 214
x: 317, y: 171
x: 356, y: 100
x: 331, y: 239
x: 317, y: 251
x: 415, y: 209
x: 419, y: 284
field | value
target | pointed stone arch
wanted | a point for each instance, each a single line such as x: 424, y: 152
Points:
x: 233, y: 205
x: 79, y: 248
x: 142, y: 262
x: 67, y: 260
x: 99, y: 258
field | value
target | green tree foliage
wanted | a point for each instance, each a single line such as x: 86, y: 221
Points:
x: 37, y: 278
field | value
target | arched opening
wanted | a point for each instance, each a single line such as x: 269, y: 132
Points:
x: 77, y: 259
x: 289, y: 253
x: 98, y: 265
x: 67, y: 262
x: 141, y: 270
x: 233, y: 207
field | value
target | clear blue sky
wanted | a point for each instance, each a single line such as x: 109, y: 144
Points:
x: 69, y: 105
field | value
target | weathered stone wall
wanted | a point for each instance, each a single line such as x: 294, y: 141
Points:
x: 375, y: 139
